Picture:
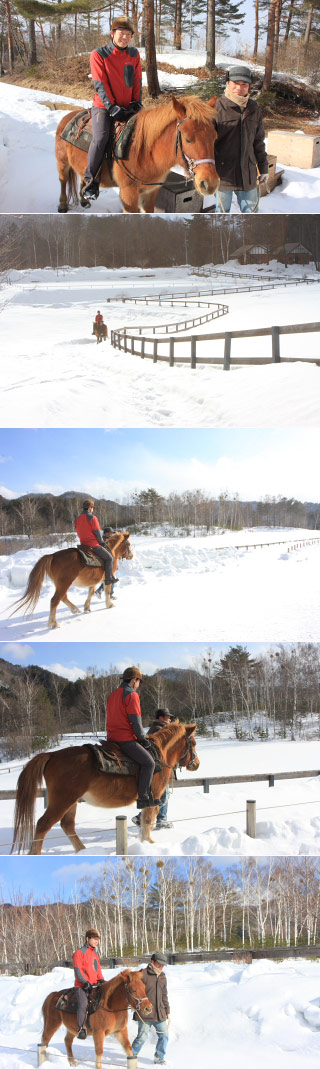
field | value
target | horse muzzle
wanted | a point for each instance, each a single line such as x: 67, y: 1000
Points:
x: 206, y: 180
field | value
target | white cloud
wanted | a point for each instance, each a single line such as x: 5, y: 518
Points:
x: 4, y: 460
x: 48, y: 488
x: 20, y: 651
x: 8, y: 493
x: 71, y: 673
x: 77, y: 872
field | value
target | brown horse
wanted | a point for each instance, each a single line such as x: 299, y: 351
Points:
x: 100, y: 331
x: 72, y: 773
x: 67, y: 567
x: 111, y: 1018
x: 179, y: 131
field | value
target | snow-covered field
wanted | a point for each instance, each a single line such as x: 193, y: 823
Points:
x: 288, y: 814
x: 184, y: 589
x: 221, y: 1012
x: 27, y: 162
x: 58, y: 376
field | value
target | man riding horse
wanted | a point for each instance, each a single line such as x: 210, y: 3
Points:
x: 87, y: 970
x: 124, y: 726
x: 117, y: 77
x: 88, y: 530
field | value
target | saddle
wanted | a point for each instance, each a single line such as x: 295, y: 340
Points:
x: 88, y: 556
x: 78, y: 132
x: 110, y: 758
x: 67, y: 1001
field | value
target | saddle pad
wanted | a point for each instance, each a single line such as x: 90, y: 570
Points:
x: 78, y: 132
x: 111, y: 759
x: 88, y: 557
x: 69, y: 1004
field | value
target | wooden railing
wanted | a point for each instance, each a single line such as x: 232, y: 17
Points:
x: 148, y: 347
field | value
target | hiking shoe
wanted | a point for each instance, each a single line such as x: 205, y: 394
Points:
x: 99, y: 591
x: 136, y: 820
x: 164, y: 824
x: 91, y: 190
x: 159, y: 1061
x: 82, y: 1034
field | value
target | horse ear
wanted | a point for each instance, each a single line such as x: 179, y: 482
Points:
x: 212, y: 102
x: 190, y: 729
x: 179, y: 108
x: 126, y: 534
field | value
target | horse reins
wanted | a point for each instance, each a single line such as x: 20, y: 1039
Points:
x: 189, y: 163
x: 134, y: 998
x: 179, y: 762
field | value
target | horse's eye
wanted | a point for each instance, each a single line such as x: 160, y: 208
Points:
x: 189, y: 140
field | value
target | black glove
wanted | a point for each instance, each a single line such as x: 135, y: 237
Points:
x: 147, y: 744
x: 135, y: 106
x: 87, y: 987
x: 119, y: 114
x: 99, y: 982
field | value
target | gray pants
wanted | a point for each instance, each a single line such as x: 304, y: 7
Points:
x: 143, y: 758
x: 107, y: 559
x: 101, y: 124
x: 82, y: 1000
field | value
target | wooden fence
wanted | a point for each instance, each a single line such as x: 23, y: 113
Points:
x: 148, y: 347
x: 243, y: 954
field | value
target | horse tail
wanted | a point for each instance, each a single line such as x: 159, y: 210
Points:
x: 32, y: 593
x: 27, y: 789
x: 72, y: 187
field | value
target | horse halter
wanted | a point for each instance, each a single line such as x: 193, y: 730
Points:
x: 189, y: 163
x: 137, y: 1001
x: 191, y: 749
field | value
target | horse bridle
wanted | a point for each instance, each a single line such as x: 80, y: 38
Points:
x: 190, y: 750
x: 137, y: 1001
x: 189, y: 163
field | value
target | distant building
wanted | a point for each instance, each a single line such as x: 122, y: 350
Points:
x: 252, y: 254
x: 292, y: 252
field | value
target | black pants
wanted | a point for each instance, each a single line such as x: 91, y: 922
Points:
x: 143, y: 758
x: 107, y: 559
x: 82, y: 1000
x: 101, y: 124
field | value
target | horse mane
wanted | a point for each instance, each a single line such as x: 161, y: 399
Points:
x: 115, y: 982
x: 168, y: 733
x: 114, y: 540
x: 152, y: 121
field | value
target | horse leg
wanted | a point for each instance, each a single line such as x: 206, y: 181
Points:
x: 129, y: 196
x: 68, y: 826
x: 59, y: 595
x: 98, y: 1037
x: 84, y: 201
x: 123, y: 1037
x: 147, y: 822
x: 73, y: 608
x: 87, y: 604
x: 147, y: 201
x: 51, y: 1025
x: 68, y: 1040
x: 54, y: 813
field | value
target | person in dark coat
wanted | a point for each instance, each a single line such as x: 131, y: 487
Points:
x: 87, y: 971
x: 162, y: 718
x: 240, y: 146
x: 156, y: 990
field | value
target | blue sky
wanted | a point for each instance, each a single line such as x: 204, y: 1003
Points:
x: 114, y: 463
x: 46, y: 877
x: 72, y: 659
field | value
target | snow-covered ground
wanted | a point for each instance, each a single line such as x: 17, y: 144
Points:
x: 288, y: 814
x: 221, y: 1012
x: 58, y: 376
x: 27, y: 162
x: 184, y: 589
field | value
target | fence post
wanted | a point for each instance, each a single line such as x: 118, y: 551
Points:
x: 132, y: 346
x: 155, y: 351
x: 193, y: 351
x: 42, y: 1053
x: 45, y: 798
x: 271, y: 781
x: 275, y: 337
x: 206, y: 786
x: 171, y: 352
x: 121, y: 835
x: 251, y: 819
x: 227, y: 351
x: 142, y: 347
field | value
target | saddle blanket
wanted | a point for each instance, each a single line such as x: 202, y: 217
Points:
x: 88, y: 557
x: 111, y: 759
x: 78, y: 132
x: 68, y: 1000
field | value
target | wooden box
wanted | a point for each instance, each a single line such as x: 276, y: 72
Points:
x: 178, y: 195
x: 295, y: 150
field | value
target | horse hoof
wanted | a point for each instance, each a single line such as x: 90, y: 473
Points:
x: 87, y: 610
x: 53, y: 626
x: 62, y: 208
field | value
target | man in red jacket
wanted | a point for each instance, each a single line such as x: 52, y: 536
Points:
x: 88, y: 530
x: 124, y: 726
x: 117, y: 77
x: 87, y: 969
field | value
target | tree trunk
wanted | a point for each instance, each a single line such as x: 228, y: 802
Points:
x: 10, y: 39
x: 151, y: 61
x: 177, y: 26
x: 270, y: 46
x: 32, y: 58
x: 211, y: 36
x: 308, y: 26
x: 277, y: 26
x: 256, y: 34
x: 290, y: 13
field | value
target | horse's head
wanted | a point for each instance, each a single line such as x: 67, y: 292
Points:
x: 119, y: 544
x: 136, y: 992
x: 191, y: 760
x: 196, y: 135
